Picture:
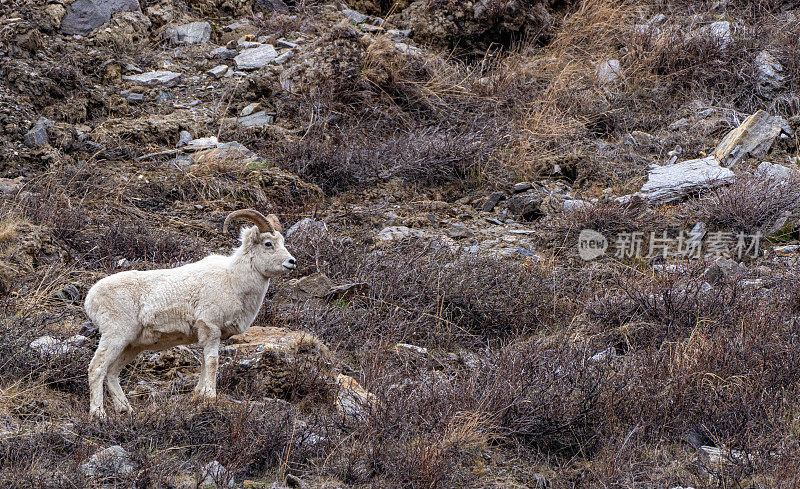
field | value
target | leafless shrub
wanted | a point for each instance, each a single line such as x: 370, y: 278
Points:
x: 752, y: 203
x: 606, y: 216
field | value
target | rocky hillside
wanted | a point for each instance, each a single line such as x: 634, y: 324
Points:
x: 540, y: 243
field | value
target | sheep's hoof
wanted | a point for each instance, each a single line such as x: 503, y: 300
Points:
x: 97, y: 413
x: 124, y: 408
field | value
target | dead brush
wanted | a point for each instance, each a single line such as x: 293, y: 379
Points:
x: 751, y: 204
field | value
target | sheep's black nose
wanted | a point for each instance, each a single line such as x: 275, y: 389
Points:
x: 292, y: 261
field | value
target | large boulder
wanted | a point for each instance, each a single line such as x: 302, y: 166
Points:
x: 674, y: 182
x: 84, y: 16
x: 754, y: 137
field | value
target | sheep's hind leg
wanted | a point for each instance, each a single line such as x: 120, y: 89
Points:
x: 108, y: 350
x: 121, y: 404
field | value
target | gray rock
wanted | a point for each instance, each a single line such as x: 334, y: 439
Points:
x: 526, y: 205
x: 774, y: 171
x: 132, y: 97
x: 255, y: 58
x: 184, y: 137
x: 284, y: 57
x: 722, y: 268
x: 215, y: 475
x: 47, y: 345
x: 391, y: 234
x: 249, y: 109
x: 83, y: 16
x: 305, y: 224
x: 521, y: 187
x: 356, y: 17
x: 398, y: 35
x: 608, y: 71
x: 670, y: 183
x: 576, y: 204
x: 10, y: 186
x: 89, y: 330
x: 607, y: 354
x: 720, y: 31
x: 70, y: 293
x: 754, y: 137
x: 155, y: 78
x: 769, y: 71
x: 679, y: 124
x: 410, y: 350
x: 186, y: 34
x: 460, y: 231
x: 218, y: 71
x: 37, y: 136
x: 223, y: 53
x: 109, y: 462
x: 492, y: 201
x: 270, y: 6
x: 256, y: 120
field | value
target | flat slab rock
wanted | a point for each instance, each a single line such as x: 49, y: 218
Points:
x: 255, y: 58
x: 670, y: 183
x: 155, y: 78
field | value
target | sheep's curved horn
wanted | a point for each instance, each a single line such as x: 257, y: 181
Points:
x: 264, y: 224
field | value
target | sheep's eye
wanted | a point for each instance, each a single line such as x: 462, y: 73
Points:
x: 268, y: 244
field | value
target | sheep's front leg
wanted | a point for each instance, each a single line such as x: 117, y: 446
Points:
x: 108, y: 350
x: 209, y: 337
x: 201, y: 381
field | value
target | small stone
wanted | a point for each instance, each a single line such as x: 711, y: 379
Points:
x: 257, y: 120
x: 132, y: 97
x: 774, y: 171
x: 496, y: 222
x: 607, y: 354
x: 492, y: 201
x: 187, y: 34
x: 284, y: 57
x: 109, y: 462
x: 223, y: 53
x: 249, y: 109
x: 769, y: 70
x: 608, y: 71
x: 255, y: 58
x: 391, y: 234
x: 202, y: 143
x: 721, y: 31
x: 155, y: 78
x: 356, y: 17
x: 459, y: 231
x: 215, y: 475
x: 352, y: 399
x: 89, y: 330
x: 37, y: 136
x: 184, y: 137
x: 218, y: 71
x: 406, y: 349
x: 270, y: 6
x: 526, y: 205
x: 521, y: 187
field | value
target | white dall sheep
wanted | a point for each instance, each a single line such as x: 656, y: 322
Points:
x: 203, y: 302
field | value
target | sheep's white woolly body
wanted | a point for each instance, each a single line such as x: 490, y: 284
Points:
x: 204, y: 302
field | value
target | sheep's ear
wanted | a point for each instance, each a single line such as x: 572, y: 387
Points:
x: 251, y: 235
x: 276, y: 224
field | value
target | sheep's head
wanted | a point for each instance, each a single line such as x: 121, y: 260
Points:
x: 263, y: 243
